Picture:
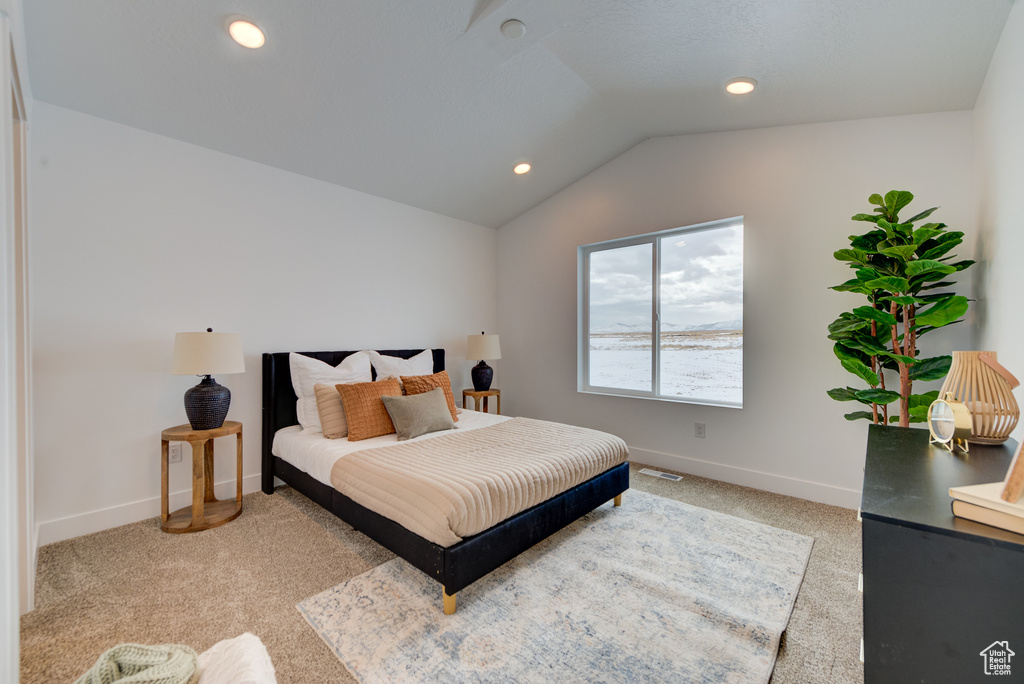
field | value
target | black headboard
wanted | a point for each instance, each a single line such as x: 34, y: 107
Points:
x: 279, y: 396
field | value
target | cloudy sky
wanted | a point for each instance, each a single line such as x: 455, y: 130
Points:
x: 701, y: 281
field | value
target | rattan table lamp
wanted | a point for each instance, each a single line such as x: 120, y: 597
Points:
x: 206, y: 353
x: 986, y: 388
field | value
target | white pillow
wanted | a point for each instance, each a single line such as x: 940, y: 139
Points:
x: 242, y: 660
x: 421, y: 364
x: 307, y: 372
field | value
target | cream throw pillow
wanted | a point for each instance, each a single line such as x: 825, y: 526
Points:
x: 307, y: 372
x: 331, y: 411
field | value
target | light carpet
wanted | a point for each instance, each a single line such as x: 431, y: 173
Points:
x: 655, y: 590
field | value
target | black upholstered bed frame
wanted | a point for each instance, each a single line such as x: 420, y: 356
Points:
x: 457, y: 566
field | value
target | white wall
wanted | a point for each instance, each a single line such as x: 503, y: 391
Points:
x: 796, y: 187
x: 999, y: 147
x: 136, y: 237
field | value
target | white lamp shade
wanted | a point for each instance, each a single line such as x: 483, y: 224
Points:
x: 207, y: 353
x: 482, y: 347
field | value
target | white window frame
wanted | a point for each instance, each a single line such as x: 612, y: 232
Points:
x: 583, y: 253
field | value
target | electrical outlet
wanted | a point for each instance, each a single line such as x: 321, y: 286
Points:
x: 174, y: 453
x: 698, y: 430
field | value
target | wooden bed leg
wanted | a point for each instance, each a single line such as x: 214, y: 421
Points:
x: 449, y: 602
x: 618, y: 500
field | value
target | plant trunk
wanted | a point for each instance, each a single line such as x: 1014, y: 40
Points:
x: 905, y: 385
x: 903, y: 368
x: 909, y: 349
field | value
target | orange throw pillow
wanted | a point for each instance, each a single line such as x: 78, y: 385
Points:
x: 418, y: 384
x: 365, y: 410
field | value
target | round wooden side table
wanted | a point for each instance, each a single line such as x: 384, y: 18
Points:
x: 477, y: 396
x: 206, y: 510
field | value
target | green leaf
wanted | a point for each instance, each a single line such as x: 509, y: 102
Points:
x: 862, y: 343
x: 950, y: 235
x: 894, y: 419
x: 943, y: 312
x: 854, y: 365
x: 847, y: 323
x: 927, y: 329
x: 889, y: 284
x: 939, y: 250
x: 868, y: 241
x: 877, y: 396
x: 895, y: 200
x: 931, y: 369
x: 903, y: 252
x: 845, y: 394
x: 904, y: 230
x: 935, y: 296
x: 962, y: 265
x: 905, y: 300
x: 877, y: 200
x: 890, y: 232
x: 933, y: 286
x: 857, y: 415
x: 920, y: 402
x: 853, y: 285
x: 921, y: 267
x: 856, y: 255
x: 869, y: 313
x: 887, y: 364
x: 865, y: 217
x: 867, y: 274
x: 925, y: 233
x: 924, y: 214
x: 897, y: 357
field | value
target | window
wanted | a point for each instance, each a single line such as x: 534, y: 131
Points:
x: 661, y: 315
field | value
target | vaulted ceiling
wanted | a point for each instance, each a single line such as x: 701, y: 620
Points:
x: 427, y: 103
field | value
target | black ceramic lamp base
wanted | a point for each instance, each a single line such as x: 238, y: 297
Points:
x: 206, y: 404
x: 482, y: 375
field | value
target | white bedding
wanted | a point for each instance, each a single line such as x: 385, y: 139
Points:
x: 312, y: 453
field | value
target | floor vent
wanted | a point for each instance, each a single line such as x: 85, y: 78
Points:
x: 663, y: 476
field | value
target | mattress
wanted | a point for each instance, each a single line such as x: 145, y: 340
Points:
x: 464, y: 482
x: 314, y: 455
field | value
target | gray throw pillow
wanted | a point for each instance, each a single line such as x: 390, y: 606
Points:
x: 419, y: 414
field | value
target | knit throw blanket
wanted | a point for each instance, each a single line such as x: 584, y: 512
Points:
x: 141, y: 664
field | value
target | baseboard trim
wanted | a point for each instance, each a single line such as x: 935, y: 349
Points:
x: 95, y: 521
x: 770, y: 482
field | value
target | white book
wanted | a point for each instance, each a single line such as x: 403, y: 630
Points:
x: 988, y: 496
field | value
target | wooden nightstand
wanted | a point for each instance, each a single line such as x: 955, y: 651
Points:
x: 485, y: 395
x: 206, y: 511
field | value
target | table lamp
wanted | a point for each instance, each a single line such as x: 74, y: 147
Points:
x: 482, y: 347
x: 206, y: 404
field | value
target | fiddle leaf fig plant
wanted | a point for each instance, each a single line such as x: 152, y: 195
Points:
x: 902, y: 270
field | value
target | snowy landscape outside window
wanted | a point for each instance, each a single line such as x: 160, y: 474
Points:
x: 661, y: 315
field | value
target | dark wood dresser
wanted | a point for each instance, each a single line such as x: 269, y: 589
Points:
x: 938, y: 590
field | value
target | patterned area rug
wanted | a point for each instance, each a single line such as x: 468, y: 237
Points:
x: 654, y: 591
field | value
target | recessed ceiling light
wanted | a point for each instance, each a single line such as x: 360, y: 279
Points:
x: 513, y: 28
x: 741, y: 86
x: 246, y: 33
x: 521, y: 168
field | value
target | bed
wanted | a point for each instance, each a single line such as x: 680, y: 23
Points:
x: 456, y: 566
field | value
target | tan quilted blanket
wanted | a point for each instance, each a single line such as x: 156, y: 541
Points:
x: 457, y: 485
